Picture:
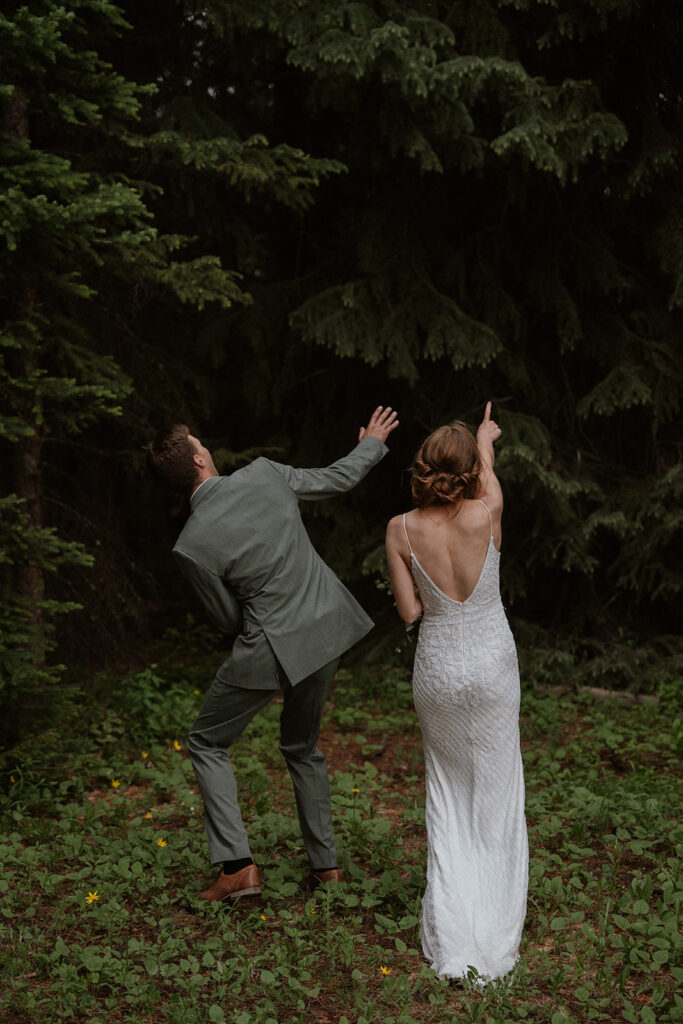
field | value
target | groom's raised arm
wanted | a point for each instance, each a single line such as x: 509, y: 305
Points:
x: 342, y: 475
x: 345, y: 473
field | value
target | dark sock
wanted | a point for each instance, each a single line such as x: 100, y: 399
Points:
x: 317, y: 871
x: 231, y: 866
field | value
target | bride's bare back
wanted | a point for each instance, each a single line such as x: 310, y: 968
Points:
x: 448, y: 537
x: 452, y: 548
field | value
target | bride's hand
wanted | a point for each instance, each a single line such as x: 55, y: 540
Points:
x: 488, y: 431
x: 382, y: 422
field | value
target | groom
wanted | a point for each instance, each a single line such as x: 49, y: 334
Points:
x: 245, y: 552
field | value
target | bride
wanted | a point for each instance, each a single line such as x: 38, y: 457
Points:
x: 443, y: 560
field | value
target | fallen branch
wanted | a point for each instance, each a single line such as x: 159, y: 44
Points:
x: 601, y: 694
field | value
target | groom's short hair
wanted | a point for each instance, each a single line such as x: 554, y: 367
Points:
x: 170, y: 457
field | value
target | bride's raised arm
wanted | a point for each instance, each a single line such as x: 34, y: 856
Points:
x: 487, y: 433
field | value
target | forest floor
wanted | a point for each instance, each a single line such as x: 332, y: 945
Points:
x: 103, y: 853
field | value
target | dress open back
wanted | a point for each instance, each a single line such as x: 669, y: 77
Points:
x: 466, y: 692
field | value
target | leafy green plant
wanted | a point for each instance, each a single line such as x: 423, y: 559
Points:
x: 98, y: 893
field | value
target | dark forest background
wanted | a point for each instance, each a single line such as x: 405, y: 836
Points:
x: 266, y: 218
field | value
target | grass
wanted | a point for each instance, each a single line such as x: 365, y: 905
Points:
x: 602, y: 933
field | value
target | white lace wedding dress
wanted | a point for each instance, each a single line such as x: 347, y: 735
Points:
x: 466, y: 691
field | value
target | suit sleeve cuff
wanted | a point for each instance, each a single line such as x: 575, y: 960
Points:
x: 374, y: 443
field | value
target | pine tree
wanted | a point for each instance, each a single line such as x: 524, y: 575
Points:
x: 508, y: 227
x: 423, y: 203
x: 77, y: 205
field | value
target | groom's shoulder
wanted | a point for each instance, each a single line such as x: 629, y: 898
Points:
x: 231, y: 493
x: 262, y: 472
x: 258, y: 467
x: 226, y: 486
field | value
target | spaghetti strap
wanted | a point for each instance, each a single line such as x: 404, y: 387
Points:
x: 406, y: 533
x: 487, y: 509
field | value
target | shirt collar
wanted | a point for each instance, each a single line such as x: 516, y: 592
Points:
x: 199, y: 492
x: 198, y: 487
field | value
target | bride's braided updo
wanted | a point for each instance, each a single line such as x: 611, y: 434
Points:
x: 446, y: 467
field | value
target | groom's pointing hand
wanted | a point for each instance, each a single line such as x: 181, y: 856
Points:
x: 382, y: 422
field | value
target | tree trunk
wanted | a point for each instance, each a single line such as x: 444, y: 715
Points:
x: 29, y: 487
x: 30, y: 577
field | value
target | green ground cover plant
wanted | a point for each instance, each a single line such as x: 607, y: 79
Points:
x: 103, y: 853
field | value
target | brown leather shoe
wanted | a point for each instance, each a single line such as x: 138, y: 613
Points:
x: 231, y: 887
x: 318, y: 878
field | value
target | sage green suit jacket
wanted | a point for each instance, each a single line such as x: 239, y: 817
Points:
x: 246, y: 553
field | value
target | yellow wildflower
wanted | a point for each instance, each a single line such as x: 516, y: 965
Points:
x: 355, y: 791
x: 145, y: 755
x: 148, y: 815
x: 91, y: 897
x: 177, y: 745
x: 11, y: 778
x: 313, y: 910
x: 263, y: 917
x: 116, y: 783
x: 161, y: 842
x: 197, y: 692
x: 385, y: 970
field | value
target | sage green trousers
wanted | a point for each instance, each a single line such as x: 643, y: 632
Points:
x: 225, y: 713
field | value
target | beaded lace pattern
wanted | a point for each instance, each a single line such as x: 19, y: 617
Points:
x: 466, y: 691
